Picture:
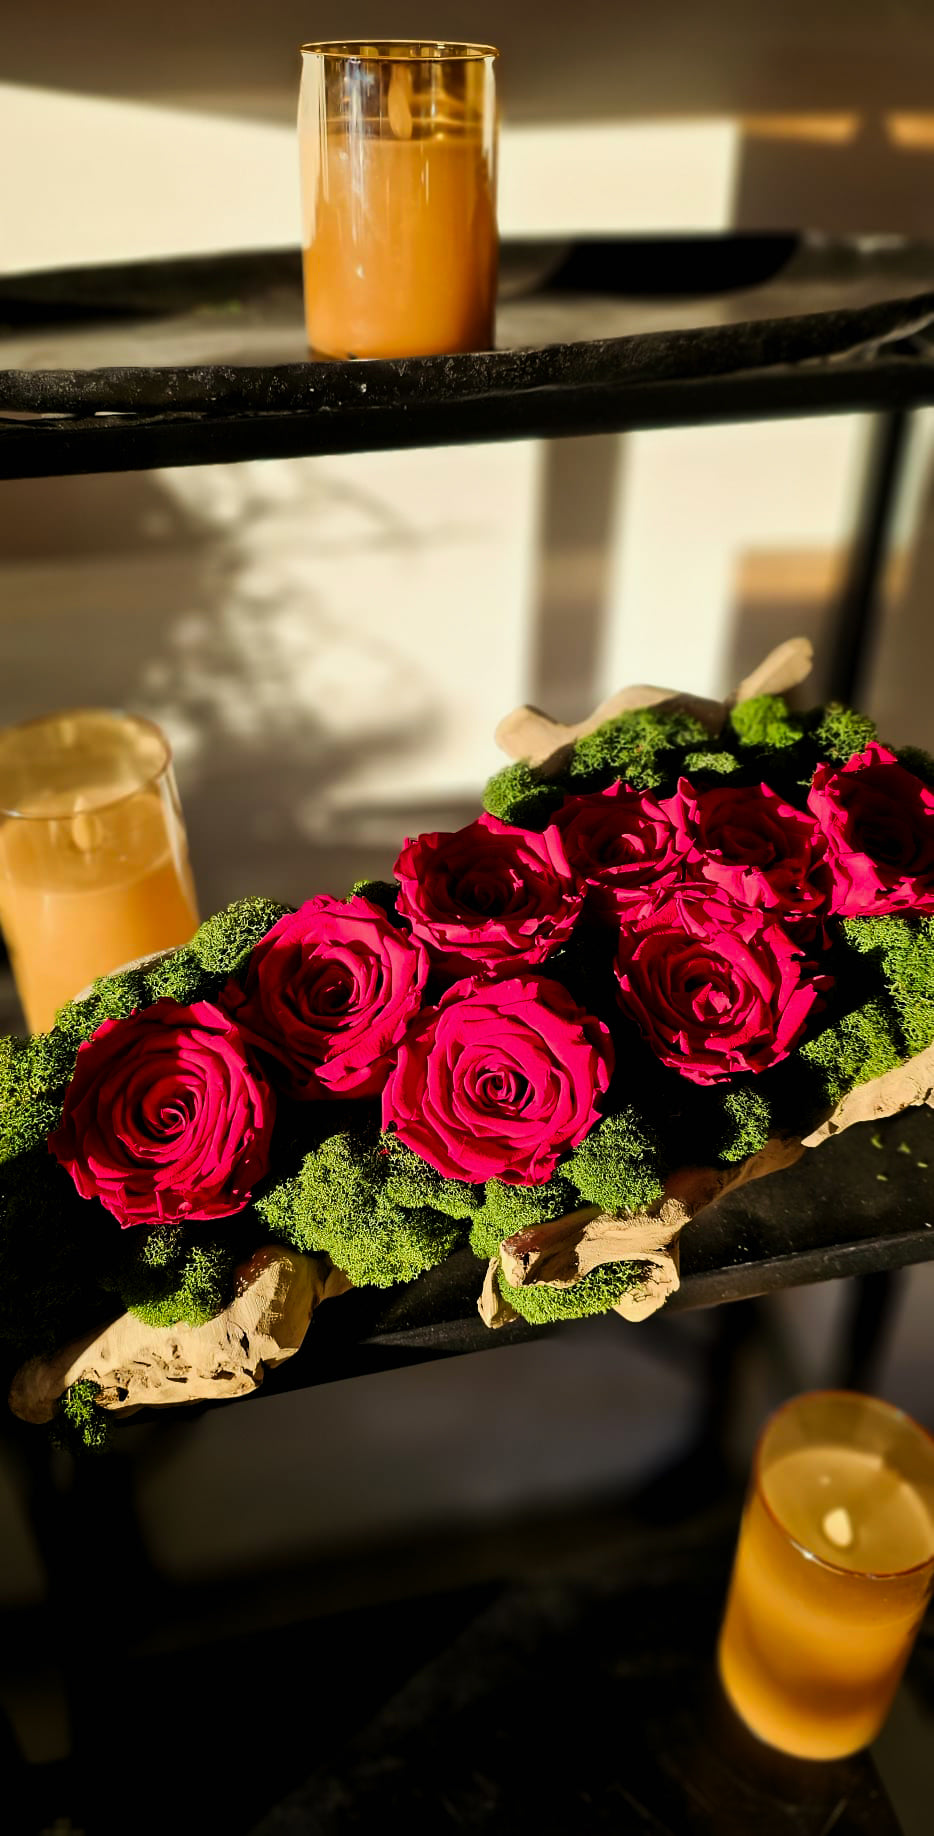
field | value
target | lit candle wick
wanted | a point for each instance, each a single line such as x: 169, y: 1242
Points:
x: 837, y: 1526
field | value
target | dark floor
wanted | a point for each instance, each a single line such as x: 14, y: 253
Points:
x: 263, y: 1599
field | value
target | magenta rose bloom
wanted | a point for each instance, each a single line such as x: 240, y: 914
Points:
x: 488, y: 896
x: 760, y: 850
x: 327, y: 995
x: 716, y: 988
x: 878, y: 823
x: 166, y: 1121
x: 499, y: 1080
x: 624, y: 845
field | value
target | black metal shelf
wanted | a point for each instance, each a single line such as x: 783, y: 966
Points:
x: 203, y: 360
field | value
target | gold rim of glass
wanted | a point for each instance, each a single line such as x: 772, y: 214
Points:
x: 115, y: 714
x: 836, y: 1568
x: 399, y: 50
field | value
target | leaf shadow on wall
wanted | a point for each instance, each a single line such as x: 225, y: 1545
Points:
x: 196, y: 598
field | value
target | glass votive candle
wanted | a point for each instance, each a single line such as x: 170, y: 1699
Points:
x: 833, y: 1571
x: 397, y: 142
x: 94, y: 868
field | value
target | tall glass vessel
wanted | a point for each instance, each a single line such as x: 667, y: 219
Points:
x: 833, y: 1572
x: 397, y: 143
x: 94, y: 867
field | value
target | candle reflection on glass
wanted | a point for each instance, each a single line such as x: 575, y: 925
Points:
x: 94, y: 867
x: 833, y: 1571
x: 397, y: 144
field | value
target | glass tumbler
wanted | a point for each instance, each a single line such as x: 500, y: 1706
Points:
x: 397, y: 142
x: 833, y: 1570
x: 94, y: 868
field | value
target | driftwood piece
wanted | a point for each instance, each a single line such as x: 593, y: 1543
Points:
x: 575, y: 1245
x: 784, y: 668
x: 529, y: 734
x: 906, y: 1087
x: 277, y: 1292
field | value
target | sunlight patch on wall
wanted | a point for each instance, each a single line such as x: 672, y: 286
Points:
x: 104, y: 181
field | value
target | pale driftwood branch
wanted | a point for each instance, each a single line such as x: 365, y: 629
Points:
x: 662, y: 1278
x: 277, y: 1292
x: 906, y: 1087
x: 529, y: 734
x: 493, y: 1308
x: 783, y: 669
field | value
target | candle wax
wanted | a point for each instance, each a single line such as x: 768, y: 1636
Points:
x: 81, y: 895
x: 891, y: 1530
x: 811, y: 1655
x: 401, y: 259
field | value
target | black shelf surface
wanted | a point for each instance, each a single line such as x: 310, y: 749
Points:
x: 200, y: 360
x: 858, y: 1205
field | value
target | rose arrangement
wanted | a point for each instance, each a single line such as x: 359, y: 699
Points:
x: 667, y: 949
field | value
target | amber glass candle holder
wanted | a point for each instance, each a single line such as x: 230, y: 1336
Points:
x: 397, y: 143
x: 94, y: 868
x: 833, y: 1570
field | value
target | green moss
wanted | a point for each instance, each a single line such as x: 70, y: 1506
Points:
x: 507, y: 1209
x: 902, y: 949
x: 745, y: 1122
x: 706, y: 1124
x: 79, y: 1425
x: 517, y: 794
x: 618, y: 1166
x: 764, y: 724
x: 193, y: 973
x: 223, y: 943
x: 34, y: 1075
x: 841, y: 733
x: 643, y: 747
x: 170, y: 1276
x: 595, y: 1293
x: 340, y: 1202
x: 853, y: 1048
x: 412, y: 1184
x: 379, y: 892
x: 921, y: 763
x: 112, y: 997
x: 180, y: 977
x: 710, y: 764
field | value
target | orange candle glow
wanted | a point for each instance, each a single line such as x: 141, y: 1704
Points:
x: 94, y: 867
x: 398, y: 163
x: 833, y: 1571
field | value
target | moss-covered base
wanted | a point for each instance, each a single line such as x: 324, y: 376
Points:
x: 337, y: 1184
x: 594, y: 1293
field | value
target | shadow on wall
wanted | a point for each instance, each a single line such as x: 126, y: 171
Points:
x: 193, y: 605
x: 781, y: 593
x: 842, y: 172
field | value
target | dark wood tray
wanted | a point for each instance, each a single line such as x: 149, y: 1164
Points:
x: 201, y: 360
